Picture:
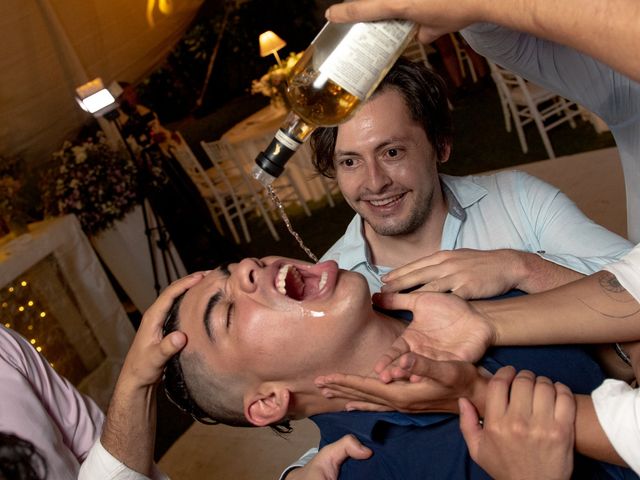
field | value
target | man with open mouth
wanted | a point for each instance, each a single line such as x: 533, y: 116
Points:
x: 254, y: 337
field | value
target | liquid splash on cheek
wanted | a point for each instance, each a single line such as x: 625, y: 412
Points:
x: 306, y: 313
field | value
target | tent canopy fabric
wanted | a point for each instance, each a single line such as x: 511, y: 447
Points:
x: 50, y: 47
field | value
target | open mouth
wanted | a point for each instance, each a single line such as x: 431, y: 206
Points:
x: 297, y: 284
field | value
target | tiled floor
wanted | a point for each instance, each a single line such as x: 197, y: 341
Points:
x: 593, y: 180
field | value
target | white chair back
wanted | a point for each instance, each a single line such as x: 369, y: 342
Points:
x: 238, y: 188
x: 417, y: 52
x: 525, y: 103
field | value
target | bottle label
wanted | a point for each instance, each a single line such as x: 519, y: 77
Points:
x: 287, y: 141
x: 364, y: 52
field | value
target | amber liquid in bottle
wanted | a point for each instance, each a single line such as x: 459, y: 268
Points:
x: 338, y: 71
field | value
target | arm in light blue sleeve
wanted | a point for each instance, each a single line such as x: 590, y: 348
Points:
x: 558, y: 68
x: 566, y: 235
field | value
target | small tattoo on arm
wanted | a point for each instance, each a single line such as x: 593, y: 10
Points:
x: 610, y: 283
x: 616, y: 293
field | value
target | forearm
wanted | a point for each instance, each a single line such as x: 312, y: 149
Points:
x: 594, y: 309
x: 129, y: 429
x: 605, y: 29
x: 590, y: 437
x: 539, y: 275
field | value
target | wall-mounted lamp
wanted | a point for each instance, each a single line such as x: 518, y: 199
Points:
x: 270, y: 43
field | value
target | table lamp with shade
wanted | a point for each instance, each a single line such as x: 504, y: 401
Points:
x: 270, y: 43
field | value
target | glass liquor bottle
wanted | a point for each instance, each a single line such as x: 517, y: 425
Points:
x: 337, y: 72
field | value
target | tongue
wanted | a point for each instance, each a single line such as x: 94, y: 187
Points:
x: 294, y: 285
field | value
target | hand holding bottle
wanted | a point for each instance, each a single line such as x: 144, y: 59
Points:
x: 339, y: 70
x: 435, y: 17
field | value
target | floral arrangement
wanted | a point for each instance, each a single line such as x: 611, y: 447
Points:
x: 273, y: 83
x: 94, y: 181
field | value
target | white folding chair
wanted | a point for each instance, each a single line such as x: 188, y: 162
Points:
x: 417, y: 52
x: 220, y: 197
x: 228, y: 177
x: 285, y: 186
x: 525, y: 102
x: 463, y: 57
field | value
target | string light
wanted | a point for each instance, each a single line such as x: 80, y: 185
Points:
x: 20, y: 308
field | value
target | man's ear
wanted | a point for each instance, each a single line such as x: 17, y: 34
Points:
x: 268, y: 405
x: 446, y: 153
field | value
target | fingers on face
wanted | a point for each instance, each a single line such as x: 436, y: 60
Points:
x: 168, y: 347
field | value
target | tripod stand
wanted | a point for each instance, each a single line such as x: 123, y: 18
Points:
x: 159, y: 244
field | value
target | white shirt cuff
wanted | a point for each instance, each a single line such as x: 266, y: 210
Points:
x: 101, y: 464
x: 617, y: 406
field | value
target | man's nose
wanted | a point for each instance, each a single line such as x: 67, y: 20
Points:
x: 377, y: 177
x: 246, y: 274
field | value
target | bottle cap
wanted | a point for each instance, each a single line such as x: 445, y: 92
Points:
x: 260, y: 175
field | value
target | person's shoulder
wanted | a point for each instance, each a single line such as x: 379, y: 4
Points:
x: 348, y: 243
x: 13, y: 347
x: 336, y: 250
x: 510, y: 179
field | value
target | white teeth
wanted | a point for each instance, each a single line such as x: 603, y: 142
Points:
x: 386, y: 201
x: 323, y: 280
x: 280, y: 279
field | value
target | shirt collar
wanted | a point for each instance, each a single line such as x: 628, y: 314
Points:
x: 461, y: 193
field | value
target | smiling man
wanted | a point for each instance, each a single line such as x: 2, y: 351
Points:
x: 260, y: 332
x: 478, y: 236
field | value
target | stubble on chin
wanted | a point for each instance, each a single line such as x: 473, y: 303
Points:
x: 394, y: 225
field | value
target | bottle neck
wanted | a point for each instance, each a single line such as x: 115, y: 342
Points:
x: 270, y: 164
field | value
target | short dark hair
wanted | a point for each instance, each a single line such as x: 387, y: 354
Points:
x: 425, y: 95
x: 198, y: 391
